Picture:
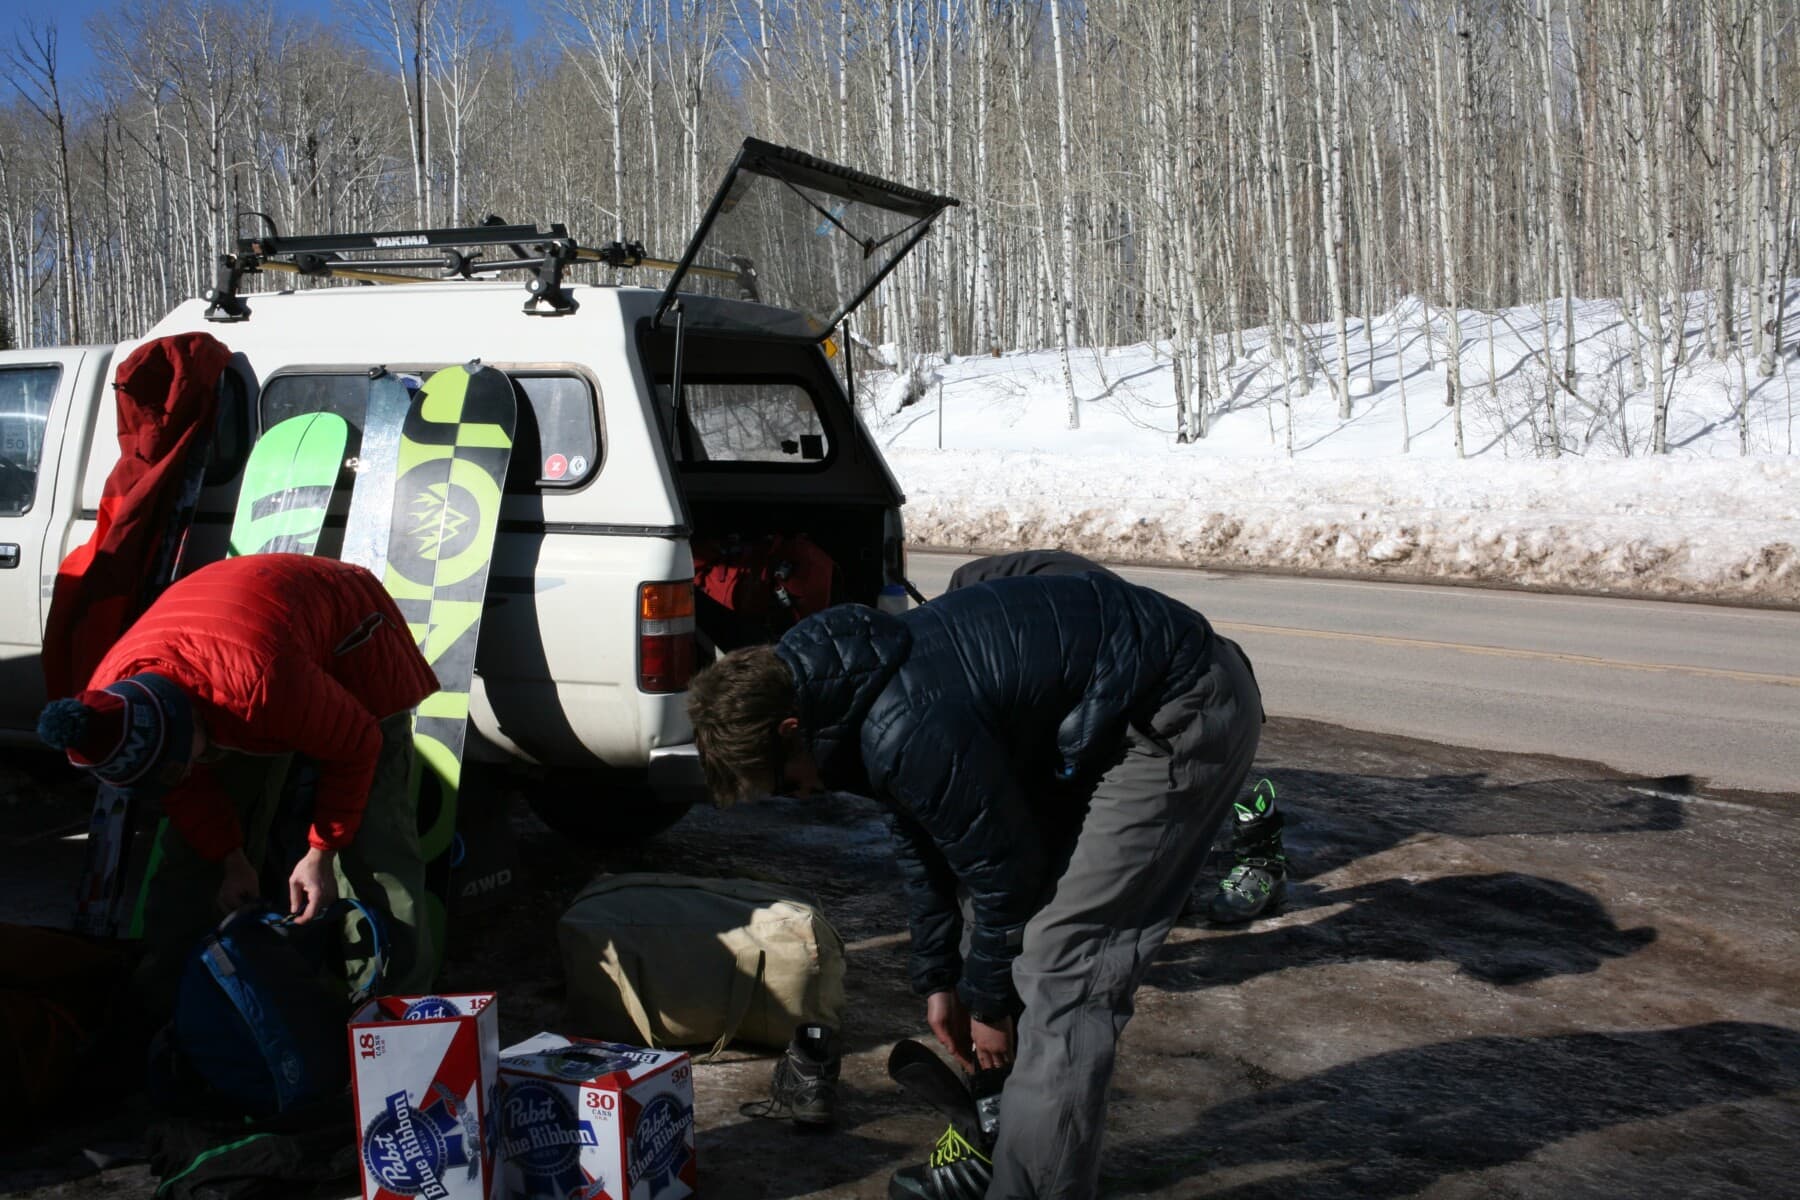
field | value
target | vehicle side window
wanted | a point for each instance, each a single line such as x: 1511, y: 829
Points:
x: 555, y: 445
x: 292, y: 395
x: 26, y: 394
x: 753, y: 421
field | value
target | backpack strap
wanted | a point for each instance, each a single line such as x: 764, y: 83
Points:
x: 378, y: 950
x: 270, y: 1033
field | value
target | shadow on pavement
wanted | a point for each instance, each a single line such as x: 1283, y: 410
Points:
x: 1337, y: 818
x: 830, y: 1164
x: 1393, y: 1124
x: 1501, y: 929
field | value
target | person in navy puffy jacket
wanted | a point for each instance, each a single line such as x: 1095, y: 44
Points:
x: 1059, y: 748
x: 1256, y: 885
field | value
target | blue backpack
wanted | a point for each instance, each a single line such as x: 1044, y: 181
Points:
x: 259, y: 1019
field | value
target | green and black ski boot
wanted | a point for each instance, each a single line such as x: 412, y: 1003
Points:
x: 957, y: 1170
x: 1257, y: 885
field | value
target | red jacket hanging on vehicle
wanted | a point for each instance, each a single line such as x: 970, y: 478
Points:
x: 279, y: 653
x: 167, y: 399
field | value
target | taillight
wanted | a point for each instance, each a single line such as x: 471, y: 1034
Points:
x: 665, y: 636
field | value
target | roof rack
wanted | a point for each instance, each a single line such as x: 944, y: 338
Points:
x: 544, y: 253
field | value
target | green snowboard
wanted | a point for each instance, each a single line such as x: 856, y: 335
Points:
x: 287, y: 486
x: 455, y: 445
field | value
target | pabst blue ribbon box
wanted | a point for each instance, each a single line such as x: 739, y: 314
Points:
x: 585, y: 1120
x: 424, y: 1072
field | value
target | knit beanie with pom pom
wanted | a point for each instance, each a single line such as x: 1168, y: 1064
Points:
x: 123, y: 732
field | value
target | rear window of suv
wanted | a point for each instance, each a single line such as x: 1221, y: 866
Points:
x: 556, y: 444
x: 769, y: 422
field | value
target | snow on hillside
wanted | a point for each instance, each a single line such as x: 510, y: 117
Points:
x: 1704, y: 521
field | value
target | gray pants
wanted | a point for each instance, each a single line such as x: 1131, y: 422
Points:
x: 1145, y: 839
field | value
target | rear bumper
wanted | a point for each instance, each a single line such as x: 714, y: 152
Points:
x: 676, y: 768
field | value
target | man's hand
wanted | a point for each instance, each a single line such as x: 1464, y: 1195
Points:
x: 312, y: 886
x: 993, y: 1043
x: 240, y: 885
x: 949, y: 1020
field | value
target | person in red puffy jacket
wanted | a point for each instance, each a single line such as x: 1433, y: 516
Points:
x: 264, y: 700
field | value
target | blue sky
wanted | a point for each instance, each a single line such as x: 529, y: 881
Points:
x: 71, y: 18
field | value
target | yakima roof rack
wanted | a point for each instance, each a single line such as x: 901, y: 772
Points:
x: 454, y: 253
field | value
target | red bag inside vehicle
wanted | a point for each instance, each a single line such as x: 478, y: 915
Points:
x: 763, y: 585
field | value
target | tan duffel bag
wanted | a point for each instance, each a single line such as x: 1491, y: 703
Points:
x: 671, y: 960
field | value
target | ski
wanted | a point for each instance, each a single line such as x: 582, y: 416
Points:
x: 376, y: 465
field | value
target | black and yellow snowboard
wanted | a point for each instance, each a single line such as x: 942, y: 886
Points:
x: 455, y: 444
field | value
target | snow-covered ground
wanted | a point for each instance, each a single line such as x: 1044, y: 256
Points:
x: 1382, y: 493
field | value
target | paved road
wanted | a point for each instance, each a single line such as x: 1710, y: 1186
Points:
x: 1640, y: 685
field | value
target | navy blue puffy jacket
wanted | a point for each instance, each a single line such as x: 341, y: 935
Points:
x: 970, y: 718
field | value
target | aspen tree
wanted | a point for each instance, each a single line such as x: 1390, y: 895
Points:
x: 1441, y: 138
x: 604, y: 29
x: 464, y: 33
x: 1716, y: 142
x: 405, y: 27
x: 1269, y: 153
x: 1290, y: 258
x: 35, y: 76
x: 1330, y: 129
x: 1557, y: 204
x: 984, y: 281
x: 1065, y: 292
x: 1769, y: 282
x: 1670, y: 127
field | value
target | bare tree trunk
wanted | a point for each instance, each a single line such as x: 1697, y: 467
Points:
x: 984, y: 275
x: 1270, y: 171
x: 843, y: 79
x: 1446, y: 252
x: 1331, y: 186
x: 35, y: 76
x: 1065, y: 297
x: 1769, y: 282
x: 1650, y: 235
x: 1670, y: 124
x: 1557, y: 202
x: 1723, y: 328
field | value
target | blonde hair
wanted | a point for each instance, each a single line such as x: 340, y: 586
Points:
x: 736, y: 706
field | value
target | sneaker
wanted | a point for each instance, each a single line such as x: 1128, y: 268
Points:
x: 1254, y: 888
x: 804, y: 1087
x: 956, y: 1171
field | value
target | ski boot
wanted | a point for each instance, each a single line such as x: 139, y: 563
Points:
x: 957, y: 1170
x: 960, y: 1166
x: 804, y: 1087
x: 1257, y: 885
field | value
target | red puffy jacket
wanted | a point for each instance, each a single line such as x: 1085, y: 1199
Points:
x: 281, y: 653
x: 167, y: 397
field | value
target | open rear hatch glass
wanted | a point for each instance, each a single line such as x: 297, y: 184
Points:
x: 795, y: 232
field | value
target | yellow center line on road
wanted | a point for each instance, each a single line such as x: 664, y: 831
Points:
x: 1584, y: 660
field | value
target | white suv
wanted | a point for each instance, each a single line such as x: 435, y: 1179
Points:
x: 646, y: 419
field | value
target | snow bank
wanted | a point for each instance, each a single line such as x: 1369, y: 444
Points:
x: 1717, y: 529
x: 1381, y: 493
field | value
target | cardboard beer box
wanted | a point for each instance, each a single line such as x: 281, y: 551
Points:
x: 586, y: 1120
x: 423, y: 1073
